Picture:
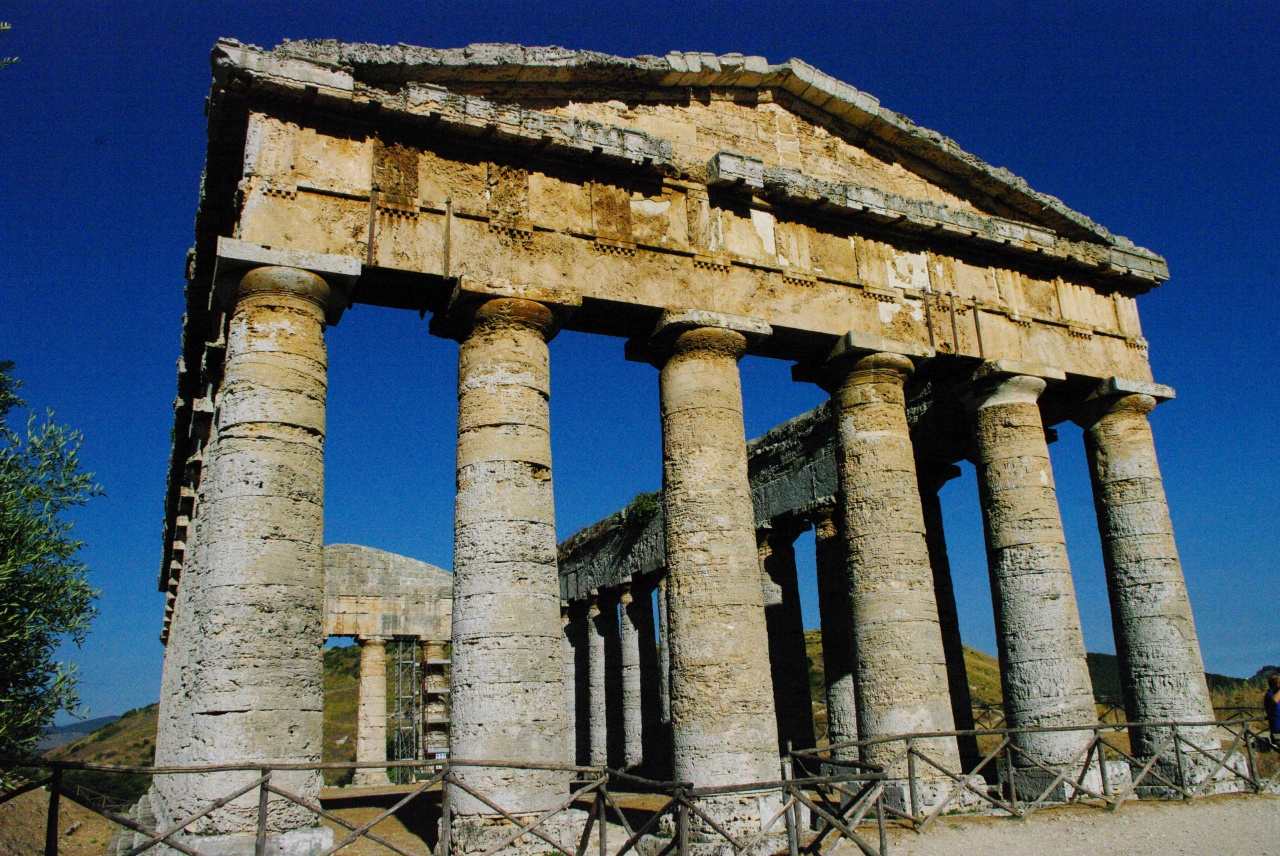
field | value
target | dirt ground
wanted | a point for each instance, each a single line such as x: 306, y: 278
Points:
x: 22, y: 824
x: 1223, y: 826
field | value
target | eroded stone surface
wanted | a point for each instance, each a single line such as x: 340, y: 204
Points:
x: 507, y: 678
x: 900, y: 665
x: 722, y: 720
x: 1043, y: 671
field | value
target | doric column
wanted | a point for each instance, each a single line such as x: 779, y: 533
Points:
x: 788, y: 661
x: 569, y: 644
x: 932, y: 478
x: 655, y: 741
x: 722, y: 716
x: 632, y: 724
x: 664, y: 654
x: 597, y: 709
x: 246, y: 639
x: 835, y: 611
x: 1161, y: 670
x: 508, y: 678
x: 371, y: 715
x: 900, y: 666
x: 1043, y: 671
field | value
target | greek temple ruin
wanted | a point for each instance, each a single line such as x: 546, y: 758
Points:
x: 701, y: 208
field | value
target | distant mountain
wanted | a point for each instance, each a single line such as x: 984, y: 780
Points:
x: 60, y: 735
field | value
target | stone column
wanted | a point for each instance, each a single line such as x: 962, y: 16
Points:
x: 371, y: 715
x: 901, y: 669
x: 1043, y: 671
x: 632, y: 725
x: 722, y: 717
x: 664, y: 654
x: 246, y: 639
x: 654, y: 748
x: 508, y: 678
x: 598, y: 706
x: 569, y: 644
x: 835, y: 608
x: 788, y: 660
x: 1161, y: 670
x: 932, y: 478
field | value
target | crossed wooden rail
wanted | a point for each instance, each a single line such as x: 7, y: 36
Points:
x: 1236, y: 763
x: 838, y: 802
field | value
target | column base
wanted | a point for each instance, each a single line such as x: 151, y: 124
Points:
x: 480, y: 833
x: 741, y: 815
x: 370, y: 778
x: 931, y: 794
x: 1031, y: 783
x: 307, y: 841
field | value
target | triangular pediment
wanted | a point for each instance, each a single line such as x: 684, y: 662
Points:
x: 898, y: 155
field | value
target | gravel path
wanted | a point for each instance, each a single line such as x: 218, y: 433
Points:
x: 1223, y: 826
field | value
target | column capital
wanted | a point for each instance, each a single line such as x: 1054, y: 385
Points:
x: 860, y: 351
x: 1117, y: 395
x: 371, y: 640
x: 624, y: 594
x: 497, y: 303
x: 245, y: 269
x: 1009, y: 382
x: 933, y: 476
x: 681, y: 331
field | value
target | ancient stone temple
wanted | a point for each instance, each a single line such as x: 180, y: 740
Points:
x: 702, y: 208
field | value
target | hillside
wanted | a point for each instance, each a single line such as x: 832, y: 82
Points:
x: 130, y: 739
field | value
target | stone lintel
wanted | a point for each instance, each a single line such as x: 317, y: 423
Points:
x: 469, y: 294
x: 1115, y: 386
x: 730, y: 169
x: 235, y: 258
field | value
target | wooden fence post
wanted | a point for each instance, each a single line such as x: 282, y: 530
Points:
x: 260, y: 842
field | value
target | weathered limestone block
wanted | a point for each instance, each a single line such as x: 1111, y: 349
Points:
x: 243, y: 669
x: 371, y: 715
x: 1161, y: 671
x: 835, y: 612
x: 900, y: 665
x: 721, y: 712
x: 629, y: 634
x: 508, y: 678
x: 788, y: 662
x: 1043, y: 671
x: 931, y: 481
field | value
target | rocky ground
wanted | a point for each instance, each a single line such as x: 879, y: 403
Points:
x: 1223, y: 826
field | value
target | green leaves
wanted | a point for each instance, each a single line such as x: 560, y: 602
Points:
x: 45, y: 596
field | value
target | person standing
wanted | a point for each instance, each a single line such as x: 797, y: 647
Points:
x: 1271, y: 709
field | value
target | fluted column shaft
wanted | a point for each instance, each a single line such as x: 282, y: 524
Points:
x: 900, y: 666
x: 508, y: 678
x: 246, y: 682
x: 1161, y: 670
x: 371, y: 713
x: 722, y: 715
x: 788, y: 660
x: 835, y: 611
x: 931, y: 481
x: 1043, y: 671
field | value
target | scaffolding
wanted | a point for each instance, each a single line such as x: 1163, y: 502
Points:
x: 407, y: 713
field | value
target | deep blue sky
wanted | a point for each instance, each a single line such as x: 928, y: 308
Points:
x: 1159, y: 120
